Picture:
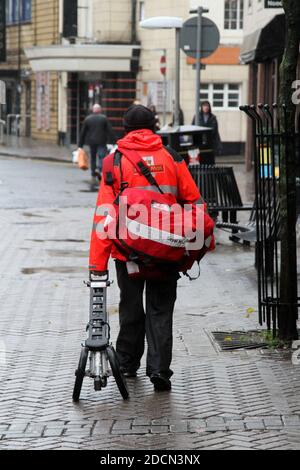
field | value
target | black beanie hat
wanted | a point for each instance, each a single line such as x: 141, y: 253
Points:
x: 138, y: 117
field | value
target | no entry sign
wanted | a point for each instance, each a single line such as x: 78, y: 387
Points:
x: 163, y: 65
x: 210, y: 37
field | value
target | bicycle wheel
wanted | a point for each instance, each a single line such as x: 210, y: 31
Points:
x: 115, y: 367
x: 80, y: 373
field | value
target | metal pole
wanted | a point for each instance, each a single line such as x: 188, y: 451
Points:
x: 198, y: 65
x: 165, y: 102
x: 78, y: 110
x: 177, y: 79
x: 199, y: 11
x: 19, y: 60
x: 165, y: 92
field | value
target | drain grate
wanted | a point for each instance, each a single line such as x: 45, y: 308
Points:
x: 228, y: 340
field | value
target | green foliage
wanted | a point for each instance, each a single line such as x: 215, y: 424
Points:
x: 274, y: 342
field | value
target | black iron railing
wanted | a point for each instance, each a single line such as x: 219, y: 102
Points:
x: 270, y: 139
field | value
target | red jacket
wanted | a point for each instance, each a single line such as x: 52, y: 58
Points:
x: 171, y: 173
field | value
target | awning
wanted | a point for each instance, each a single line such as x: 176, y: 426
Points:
x: 83, y: 58
x: 265, y: 43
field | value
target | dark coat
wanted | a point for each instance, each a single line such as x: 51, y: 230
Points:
x: 213, y: 123
x: 96, y: 130
x: 181, y: 118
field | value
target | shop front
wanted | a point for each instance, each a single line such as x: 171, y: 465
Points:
x: 88, y: 74
x: 262, y: 50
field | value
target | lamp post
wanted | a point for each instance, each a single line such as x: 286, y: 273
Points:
x: 169, y: 22
x: 19, y: 87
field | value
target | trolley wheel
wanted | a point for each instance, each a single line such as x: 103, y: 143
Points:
x: 80, y: 373
x: 115, y: 367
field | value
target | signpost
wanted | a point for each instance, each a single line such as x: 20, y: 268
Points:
x: 273, y: 3
x: 199, y: 38
x: 2, y: 30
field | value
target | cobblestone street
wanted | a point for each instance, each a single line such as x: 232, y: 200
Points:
x: 246, y: 399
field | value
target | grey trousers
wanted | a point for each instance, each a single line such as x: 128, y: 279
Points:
x: 155, y: 322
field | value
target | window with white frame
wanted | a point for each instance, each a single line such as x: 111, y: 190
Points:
x: 18, y: 11
x: 221, y: 95
x: 234, y: 14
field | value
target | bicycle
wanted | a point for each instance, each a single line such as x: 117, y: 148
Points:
x: 103, y: 361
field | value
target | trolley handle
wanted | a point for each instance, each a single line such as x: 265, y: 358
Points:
x: 102, y: 280
x: 103, y: 277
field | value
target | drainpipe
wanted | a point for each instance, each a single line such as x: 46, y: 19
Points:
x: 133, y: 21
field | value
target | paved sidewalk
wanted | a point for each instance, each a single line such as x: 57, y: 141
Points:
x: 25, y: 147
x: 219, y: 400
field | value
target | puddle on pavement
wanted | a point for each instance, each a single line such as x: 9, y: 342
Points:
x: 68, y: 253
x: 30, y: 214
x: 54, y: 269
x: 30, y: 223
x: 88, y: 190
x: 63, y: 240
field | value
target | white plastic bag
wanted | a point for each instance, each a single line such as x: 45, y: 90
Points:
x: 75, y: 157
x: 111, y: 148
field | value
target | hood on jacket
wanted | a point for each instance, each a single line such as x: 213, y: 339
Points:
x: 141, y: 139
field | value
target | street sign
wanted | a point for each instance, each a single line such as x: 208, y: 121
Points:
x: 210, y: 37
x: 2, y: 30
x: 273, y: 3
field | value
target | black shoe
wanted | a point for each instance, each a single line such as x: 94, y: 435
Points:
x: 167, y: 373
x: 129, y: 374
x: 161, y: 382
x: 94, y: 180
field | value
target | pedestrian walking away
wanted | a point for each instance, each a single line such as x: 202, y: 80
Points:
x: 208, y: 119
x: 167, y: 171
x: 96, y: 132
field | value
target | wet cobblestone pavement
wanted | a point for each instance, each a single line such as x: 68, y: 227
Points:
x: 245, y: 399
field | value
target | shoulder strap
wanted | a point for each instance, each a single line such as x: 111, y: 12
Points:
x: 108, y: 169
x: 141, y: 167
x: 108, y: 166
x: 175, y: 155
